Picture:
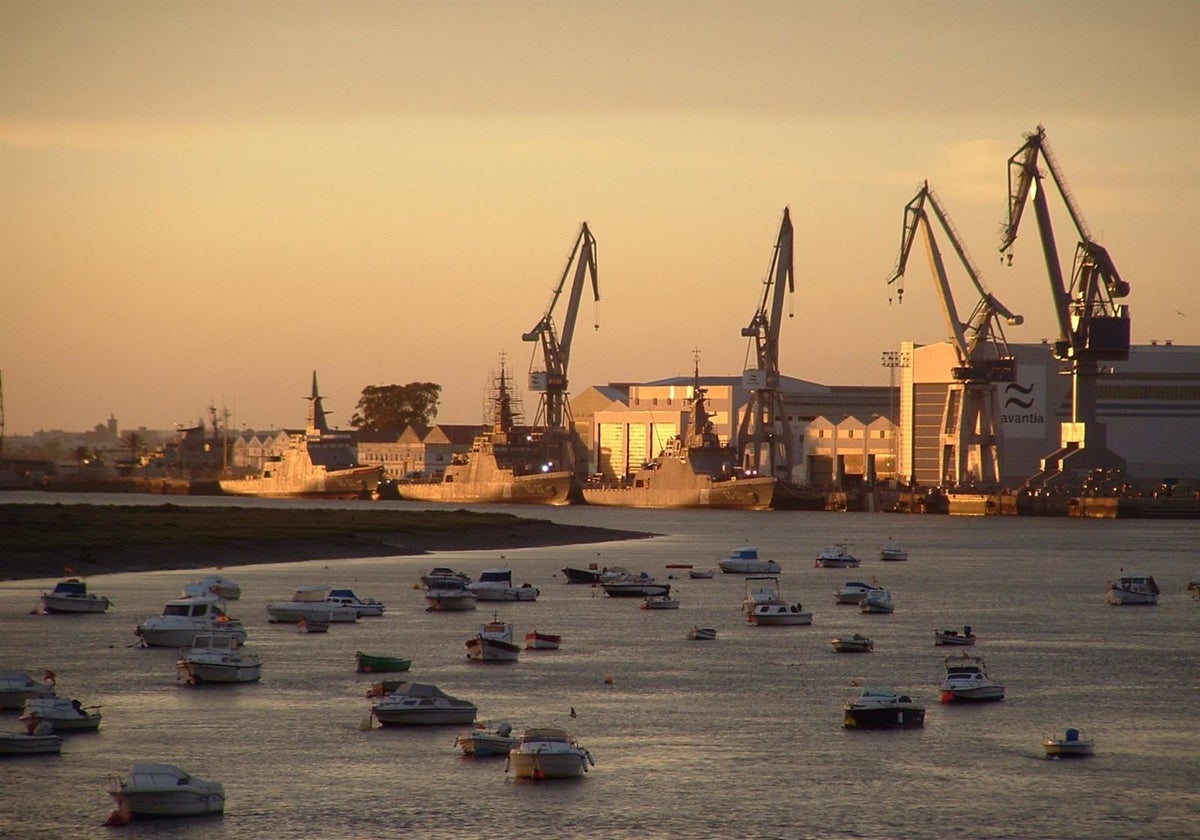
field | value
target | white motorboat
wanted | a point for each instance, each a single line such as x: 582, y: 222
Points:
x: 546, y: 753
x: 23, y: 743
x: 760, y: 590
x: 60, y: 714
x: 629, y: 585
x: 854, y: 643
x: 487, y: 741
x: 18, y: 686
x: 442, y: 576
x: 892, y: 552
x: 422, y: 704
x: 1132, y: 590
x: 1070, y: 745
x: 780, y: 615
x: 218, y: 658
x: 745, y: 561
x: 702, y: 634
x: 183, y: 619
x: 363, y: 606
x: 882, y: 708
x: 853, y: 592
x: 497, y: 585
x: 71, y: 596
x: 660, y: 602
x: 164, y: 790
x: 954, y: 638
x: 878, y: 601
x: 493, y: 643
x: 836, y: 557
x: 450, y: 597
x: 537, y: 640
x: 218, y: 585
x: 967, y: 681
x: 310, y: 602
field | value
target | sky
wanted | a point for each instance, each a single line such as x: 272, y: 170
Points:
x: 204, y: 202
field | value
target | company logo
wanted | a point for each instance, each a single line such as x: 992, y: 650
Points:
x: 1026, y: 391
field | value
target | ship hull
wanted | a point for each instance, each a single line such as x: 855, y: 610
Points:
x: 352, y: 483
x: 500, y: 487
x: 702, y: 492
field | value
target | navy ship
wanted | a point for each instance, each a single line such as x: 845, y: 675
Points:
x: 698, y: 472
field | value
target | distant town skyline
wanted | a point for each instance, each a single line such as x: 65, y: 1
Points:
x: 206, y: 202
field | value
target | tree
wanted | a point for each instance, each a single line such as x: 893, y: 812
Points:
x: 136, y: 442
x: 392, y: 408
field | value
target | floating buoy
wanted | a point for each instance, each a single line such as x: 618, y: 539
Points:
x: 947, y: 696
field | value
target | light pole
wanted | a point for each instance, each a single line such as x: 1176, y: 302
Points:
x: 891, y: 360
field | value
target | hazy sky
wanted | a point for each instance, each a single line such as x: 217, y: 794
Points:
x: 203, y: 202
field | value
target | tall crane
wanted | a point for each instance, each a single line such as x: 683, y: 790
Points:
x: 970, y: 431
x: 553, y: 411
x: 764, y: 436
x: 1093, y: 327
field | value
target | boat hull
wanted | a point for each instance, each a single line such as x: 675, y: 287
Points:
x: 492, y: 650
x: 66, y: 606
x: 750, y: 567
x: 900, y: 716
x: 22, y: 744
x: 952, y: 638
x: 779, y: 615
x: 635, y: 590
x: 159, y: 636
x: 852, y: 644
x: 199, y: 673
x: 548, y: 765
x: 492, y: 486
x: 976, y: 694
x: 295, y: 612
x: 542, y: 641
x: 575, y: 575
x: 424, y: 717
x: 183, y: 803
x: 312, y: 482
x: 486, y: 744
x: 368, y: 664
x: 697, y: 491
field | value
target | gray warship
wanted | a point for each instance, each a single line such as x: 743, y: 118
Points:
x: 697, y: 472
x: 507, y: 464
x: 319, y: 463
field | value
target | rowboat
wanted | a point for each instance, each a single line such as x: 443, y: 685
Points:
x: 368, y: 664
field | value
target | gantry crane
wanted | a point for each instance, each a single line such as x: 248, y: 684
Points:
x: 1093, y: 327
x: 970, y: 431
x: 764, y: 436
x: 553, y: 416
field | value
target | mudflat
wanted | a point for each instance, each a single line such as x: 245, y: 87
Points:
x: 42, y: 541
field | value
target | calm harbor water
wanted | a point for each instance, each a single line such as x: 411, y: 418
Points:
x: 740, y: 737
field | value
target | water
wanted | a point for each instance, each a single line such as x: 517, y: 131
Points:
x: 740, y: 737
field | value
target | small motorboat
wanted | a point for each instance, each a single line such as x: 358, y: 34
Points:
x: 422, y: 704
x: 218, y: 585
x: 488, y: 741
x: 365, y: 607
x: 836, y: 557
x: 309, y: 602
x: 954, y: 637
x: 1069, y: 745
x: 164, y: 790
x: 546, y: 753
x: 1133, y: 590
x: 878, y: 601
x: 702, y: 574
x: 745, y: 561
x: 24, y: 743
x: 71, y: 596
x: 854, y: 643
x: 537, y: 640
x: 497, y: 585
x: 368, y: 664
x: 967, y: 681
x: 183, y: 619
x: 218, y: 658
x: 660, y: 602
x: 493, y: 643
x: 18, y: 686
x: 441, y: 576
x: 452, y: 597
x: 853, y: 592
x: 892, y: 552
x: 882, y: 708
x: 629, y: 585
x: 589, y: 575
x: 702, y: 634
x: 59, y: 714
x: 780, y: 615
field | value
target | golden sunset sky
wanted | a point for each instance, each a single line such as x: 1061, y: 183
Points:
x: 203, y: 202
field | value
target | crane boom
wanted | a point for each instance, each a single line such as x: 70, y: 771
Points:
x: 556, y: 350
x: 764, y: 436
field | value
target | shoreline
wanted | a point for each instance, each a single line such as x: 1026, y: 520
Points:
x: 48, y: 541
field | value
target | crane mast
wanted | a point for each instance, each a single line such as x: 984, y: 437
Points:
x: 970, y: 430
x: 764, y: 436
x: 554, y: 412
x: 1093, y: 327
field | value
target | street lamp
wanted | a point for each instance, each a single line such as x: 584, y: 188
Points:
x: 891, y: 360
